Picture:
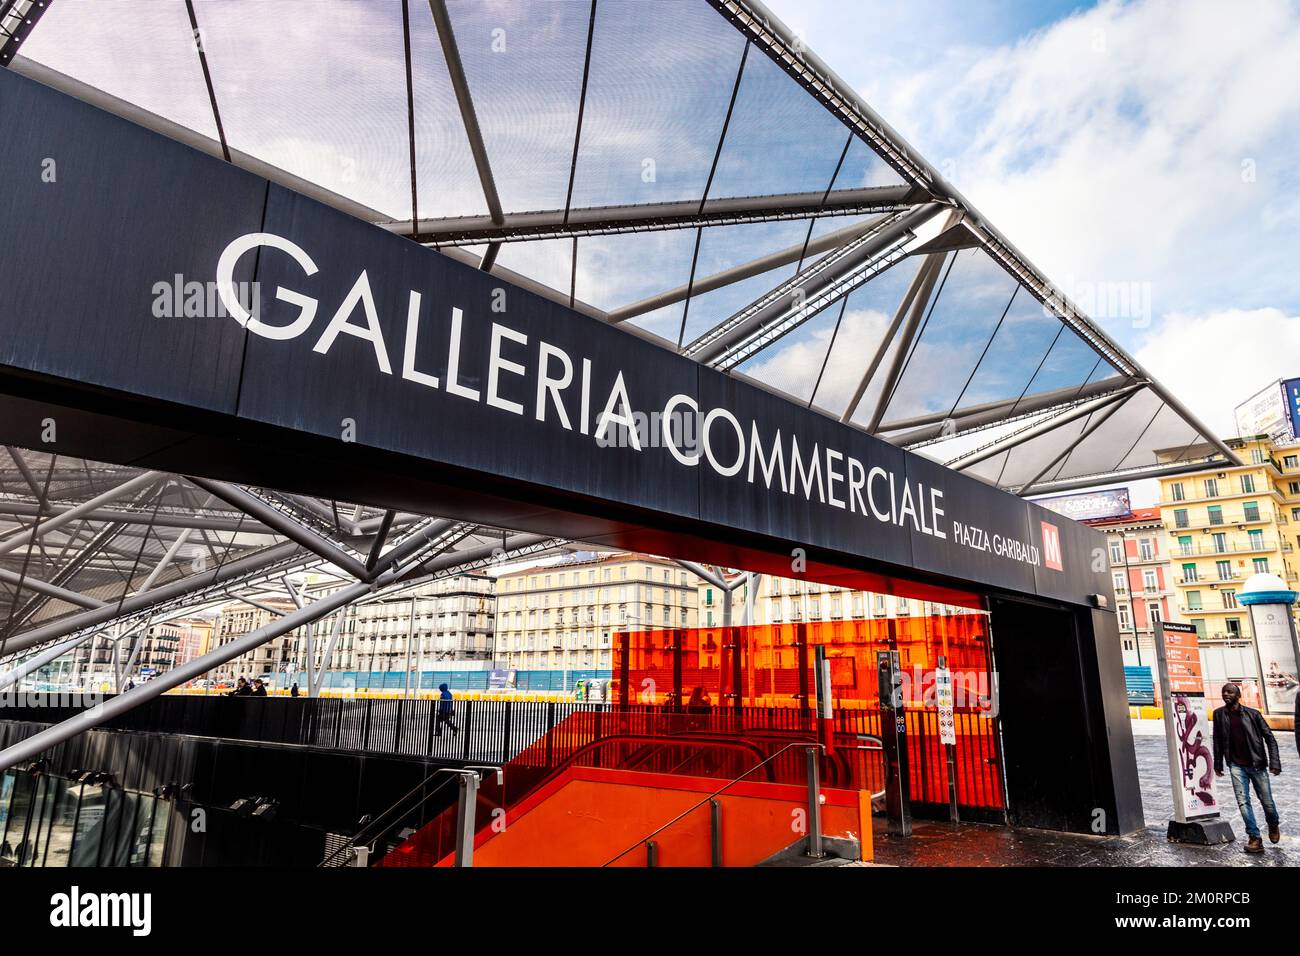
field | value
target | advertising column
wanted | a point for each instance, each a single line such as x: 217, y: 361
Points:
x: 1270, y: 602
x: 1189, y: 738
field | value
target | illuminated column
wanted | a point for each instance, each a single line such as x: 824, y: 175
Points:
x: 1270, y: 602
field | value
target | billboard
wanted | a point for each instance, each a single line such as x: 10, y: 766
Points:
x: 1107, y: 503
x: 1274, y: 411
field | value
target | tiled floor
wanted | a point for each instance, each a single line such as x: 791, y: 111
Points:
x: 941, y: 844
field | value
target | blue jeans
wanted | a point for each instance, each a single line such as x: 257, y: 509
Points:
x: 1242, y: 778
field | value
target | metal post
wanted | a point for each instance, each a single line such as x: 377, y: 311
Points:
x: 715, y: 832
x: 815, y: 849
x: 893, y: 735
x: 410, y: 636
x: 466, y: 810
x: 950, y: 756
x: 651, y: 853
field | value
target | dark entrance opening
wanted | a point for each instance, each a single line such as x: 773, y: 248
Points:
x: 1051, y: 668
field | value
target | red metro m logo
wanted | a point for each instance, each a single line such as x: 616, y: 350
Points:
x: 1052, y: 547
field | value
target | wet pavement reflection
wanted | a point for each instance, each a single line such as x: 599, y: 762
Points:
x: 943, y: 844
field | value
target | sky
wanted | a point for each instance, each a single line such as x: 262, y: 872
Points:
x: 1148, y: 146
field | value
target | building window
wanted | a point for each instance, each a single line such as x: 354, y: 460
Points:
x: 1146, y: 550
x: 1216, y: 514
x: 1233, y: 626
x: 1291, y: 461
x: 1116, y: 552
x: 1256, y: 539
x: 1260, y: 565
x: 1180, y: 518
x: 1248, y: 484
x: 1153, y: 613
x: 1124, y: 622
x: 1257, y: 455
x: 1194, y: 600
x: 1251, y: 510
x: 1189, y: 573
x: 1220, y: 542
x: 1224, y: 569
x: 1149, y: 580
x: 1119, y: 581
x: 1229, y: 598
x: 1211, y: 487
x: 1294, y: 487
x: 1185, y: 546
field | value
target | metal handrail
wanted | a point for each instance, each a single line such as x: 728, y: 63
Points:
x: 687, y: 812
x: 356, y: 839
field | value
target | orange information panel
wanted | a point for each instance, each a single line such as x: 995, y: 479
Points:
x: 1183, y: 659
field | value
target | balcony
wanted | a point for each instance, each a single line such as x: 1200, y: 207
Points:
x: 1214, y: 580
x: 1262, y: 517
x: 1199, y: 548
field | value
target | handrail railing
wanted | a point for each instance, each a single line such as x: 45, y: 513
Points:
x: 806, y: 745
x: 372, y: 830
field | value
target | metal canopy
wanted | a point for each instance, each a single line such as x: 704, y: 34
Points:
x: 683, y: 168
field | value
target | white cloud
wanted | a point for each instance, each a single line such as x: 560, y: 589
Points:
x: 1215, y: 362
x: 1152, y: 142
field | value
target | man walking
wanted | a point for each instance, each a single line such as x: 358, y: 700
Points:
x: 1245, y: 740
x: 445, y: 711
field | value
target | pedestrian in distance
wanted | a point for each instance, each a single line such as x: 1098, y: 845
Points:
x: 293, y: 691
x: 1245, y: 742
x: 241, y: 689
x: 445, y: 711
x: 259, y: 688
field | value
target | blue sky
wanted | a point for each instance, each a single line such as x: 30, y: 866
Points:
x: 1151, y: 145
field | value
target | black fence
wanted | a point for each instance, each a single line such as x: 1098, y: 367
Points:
x: 544, y: 735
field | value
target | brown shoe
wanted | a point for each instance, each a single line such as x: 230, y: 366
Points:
x: 1275, y: 833
x: 1254, y: 845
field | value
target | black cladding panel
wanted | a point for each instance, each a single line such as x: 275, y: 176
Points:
x: 99, y: 215
x: 290, y: 383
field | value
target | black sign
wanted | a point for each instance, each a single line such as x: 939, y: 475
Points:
x: 146, y: 268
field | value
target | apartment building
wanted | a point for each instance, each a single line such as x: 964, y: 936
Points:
x: 237, y: 619
x: 137, y: 655
x: 449, y: 619
x: 784, y: 600
x: 564, y: 615
x: 1143, y: 577
x: 1224, y: 524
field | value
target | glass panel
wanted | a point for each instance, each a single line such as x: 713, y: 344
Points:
x: 724, y: 247
x: 780, y: 139
x: 619, y: 270
x: 523, y: 63
x: 319, y: 90
x: 548, y: 261
x: 138, y: 851
x: 32, y: 854
x: 59, y: 849
x: 794, y: 363
x: 158, y: 833
x: 14, y: 844
x: 973, y: 295
x: 90, y: 827
x: 649, y: 134
x: 142, y: 52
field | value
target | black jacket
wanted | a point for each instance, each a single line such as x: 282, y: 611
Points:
x: 1263, y: 745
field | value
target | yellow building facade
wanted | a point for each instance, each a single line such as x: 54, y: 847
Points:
x: 1223, y: 525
